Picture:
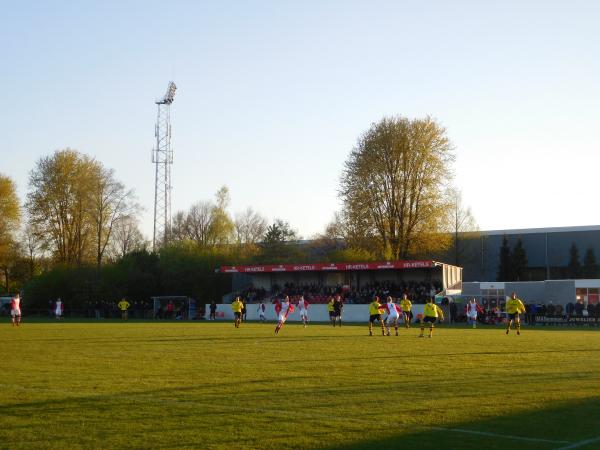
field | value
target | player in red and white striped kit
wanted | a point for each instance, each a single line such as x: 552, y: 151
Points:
x: 15, y: 310
x: 303, y: 306
x: 282, y: 309
x: 394, y: 311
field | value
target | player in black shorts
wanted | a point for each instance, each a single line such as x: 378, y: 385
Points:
x: 375, y: 310
x: 338, y: 306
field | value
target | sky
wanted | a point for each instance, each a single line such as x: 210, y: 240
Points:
x: 272, y: 97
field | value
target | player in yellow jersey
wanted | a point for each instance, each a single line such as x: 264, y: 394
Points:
x: 236, y: 307
x: 431, y: 313
x: 406, y: 306
x: 123, y: 305
x: 331, y: 310
x: 375, y: 311
x: 514, y: 307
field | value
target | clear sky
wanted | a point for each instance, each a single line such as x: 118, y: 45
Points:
x: 272, y: 96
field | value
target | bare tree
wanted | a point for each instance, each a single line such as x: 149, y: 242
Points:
x: 111, y: 202
x: 199, y: 222
x: 179, y: 230
x: 126, y: 237
x: 31, y: 244
x: 250, y: 227
x: 463, y: 226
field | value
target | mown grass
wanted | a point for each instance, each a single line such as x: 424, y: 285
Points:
x: 208, y: 385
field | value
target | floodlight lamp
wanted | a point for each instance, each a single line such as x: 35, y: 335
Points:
x: 170, y: 92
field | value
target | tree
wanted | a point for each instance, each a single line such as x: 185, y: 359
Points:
x: 199, y: 223
x: 590, y: 265
x: 206, y: 223
x: 10, y: 216
x: 111, y: 202
x: 504, y: 267
x: 31, y: 244
x: 73, y: 205
x: 250, y: 227
x: 393, y: 186
x: 574, y: 266
x: 464, y: 227
x: 353, y: 234
x: 279, y: 232
x: 179, y: 226
x: 277, y: 241
x: 126, y: 238
x: 58, y: 204
x: 221, y: 227
x: 519, y: 262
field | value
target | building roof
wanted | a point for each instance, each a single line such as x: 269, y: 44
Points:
x: 542, y: 230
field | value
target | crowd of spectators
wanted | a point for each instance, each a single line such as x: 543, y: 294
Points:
x: 109, y: 310
x: 417, y: 292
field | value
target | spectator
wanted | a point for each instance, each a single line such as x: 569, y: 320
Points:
x: 170, y: 309
x: 453, y: 311
x: 579, y: 308
x: 558, y: 310
x: 570, y: 309
x: 124, y: 305
x: 532, y: 313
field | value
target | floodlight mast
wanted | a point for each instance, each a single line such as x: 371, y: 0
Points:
x: 162, y: 157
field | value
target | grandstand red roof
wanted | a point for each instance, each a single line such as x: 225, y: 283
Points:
x: 330, y: 267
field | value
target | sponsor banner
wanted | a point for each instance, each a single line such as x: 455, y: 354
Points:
x: 385, y: 265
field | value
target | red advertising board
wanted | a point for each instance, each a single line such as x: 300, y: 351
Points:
x: 329, y: 267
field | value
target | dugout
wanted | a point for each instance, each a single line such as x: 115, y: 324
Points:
x: 353, y: 277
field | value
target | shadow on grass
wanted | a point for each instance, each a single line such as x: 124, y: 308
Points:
x: 567, y: 425
x: 558, y: 426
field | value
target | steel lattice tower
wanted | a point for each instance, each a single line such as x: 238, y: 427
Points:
x: 162, y: 157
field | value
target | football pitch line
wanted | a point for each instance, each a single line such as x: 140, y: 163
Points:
x: 581, y: 443
x: 505, y: 436
x: 311, y: 415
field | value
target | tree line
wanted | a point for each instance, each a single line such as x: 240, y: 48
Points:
x: 78, y: 230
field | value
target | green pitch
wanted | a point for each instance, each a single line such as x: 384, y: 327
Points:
x: 208, y: 385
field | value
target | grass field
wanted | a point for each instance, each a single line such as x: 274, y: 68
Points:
x: 209, y: 385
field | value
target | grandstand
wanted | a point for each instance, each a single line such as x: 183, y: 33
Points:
x: 355, y: 282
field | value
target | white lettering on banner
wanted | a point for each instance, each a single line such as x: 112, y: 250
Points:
x: 255, y: 269
x: 417, y: 264
x: 357, y: 266
x: 304, y: 268
x: 331, y: 267
x: 279, y: 269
